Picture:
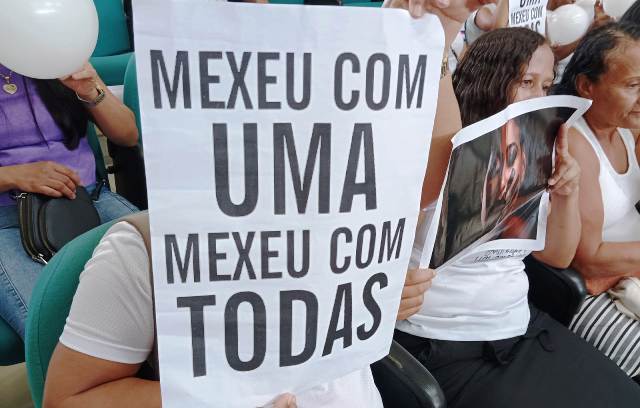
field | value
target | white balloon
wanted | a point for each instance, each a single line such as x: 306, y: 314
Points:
x: 567, y: 24
x: 616, y: 8
x: 588, y: 6
x: 47, y: 39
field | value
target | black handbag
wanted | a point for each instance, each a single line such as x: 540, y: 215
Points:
x: 47, y: 223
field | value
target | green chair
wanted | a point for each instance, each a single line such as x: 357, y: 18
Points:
x: 50, y: 304
x: 128, y: 163
x: 113, y: 48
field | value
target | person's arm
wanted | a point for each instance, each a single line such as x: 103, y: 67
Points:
x: 563, y: 231
x: 485, y: 18
x: 76, y: 380
x: 452, y: 15
x: 563, y: 223
x: 594, y: 258
x: 502, y: 14
x: 44, y: 177
x: 116, y: 121
x: 109, y: 330
x: 447, y: 123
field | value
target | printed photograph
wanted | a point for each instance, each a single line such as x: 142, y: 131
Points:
x: 495, y: 183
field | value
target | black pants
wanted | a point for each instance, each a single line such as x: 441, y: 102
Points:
x: 547, y: 367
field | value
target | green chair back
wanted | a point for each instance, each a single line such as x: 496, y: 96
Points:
x: 50, y: 305
x: 111, y: 68
x: 113, y: 47
x: 113, y: 34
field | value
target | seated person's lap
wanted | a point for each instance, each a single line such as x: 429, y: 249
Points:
x: 112, y: 206
x: 19, y: 273
x: 548, y: 366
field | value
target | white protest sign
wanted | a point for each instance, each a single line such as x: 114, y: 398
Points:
x: 285, y: 148
x: 528, y: 13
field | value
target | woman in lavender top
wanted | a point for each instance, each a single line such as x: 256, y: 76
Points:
x: 43, y: 149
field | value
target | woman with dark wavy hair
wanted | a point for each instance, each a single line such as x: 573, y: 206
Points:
x: 606, y: 69
x: 43, y: 149
x: 504, y: 66
x: 475, y: 330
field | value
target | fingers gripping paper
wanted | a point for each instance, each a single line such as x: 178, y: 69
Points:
x: 285, y: 149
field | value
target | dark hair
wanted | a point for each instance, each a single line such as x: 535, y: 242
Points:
x: 590, y: 57
x: 66, y: 110
x: 632, y: 15
x: 494, y: 63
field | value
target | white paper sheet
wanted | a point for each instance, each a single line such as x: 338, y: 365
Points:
x: 362, y: 172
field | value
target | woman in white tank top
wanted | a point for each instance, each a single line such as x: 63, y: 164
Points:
x: 484, y: 297
x: 475, y: 331
x: 607, y: 70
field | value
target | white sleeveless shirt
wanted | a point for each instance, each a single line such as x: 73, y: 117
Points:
x: 481, y: 297
x: 620, y: 192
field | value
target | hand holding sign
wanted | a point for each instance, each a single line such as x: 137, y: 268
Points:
x: 566, y: 175
x: 451, y: 13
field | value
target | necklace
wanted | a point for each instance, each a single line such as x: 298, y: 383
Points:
x: 9, y: 87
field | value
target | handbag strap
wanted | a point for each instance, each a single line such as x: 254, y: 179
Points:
x: 140, y: 221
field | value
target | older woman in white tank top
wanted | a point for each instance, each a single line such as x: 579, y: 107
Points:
x: 606, y: 69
